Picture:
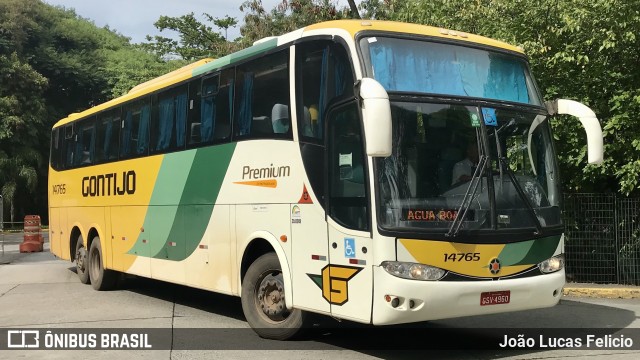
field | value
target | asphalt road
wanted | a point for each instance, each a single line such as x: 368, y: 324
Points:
x: 38, y: 291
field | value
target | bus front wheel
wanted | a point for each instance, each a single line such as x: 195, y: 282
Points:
x: 263, y: 301
x: 101, y: 278
x: 81, y: 261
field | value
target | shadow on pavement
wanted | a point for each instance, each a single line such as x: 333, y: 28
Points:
x: 469, y: 337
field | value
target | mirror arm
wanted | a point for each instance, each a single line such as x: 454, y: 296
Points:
x: 590, y: 123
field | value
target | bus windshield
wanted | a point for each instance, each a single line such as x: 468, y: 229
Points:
x: 438, y: 147
x: 416, y: 66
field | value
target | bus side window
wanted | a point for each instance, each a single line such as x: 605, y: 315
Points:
x: 55, y: 148
x: 169, y: 120
x: 107, y: 134
x: 213, y: 125
x: 85, y: 143
x: 324, y: 73
x: 348, y: 203
x: 69, y: 146
x: 134, y: 133
x: 262, y: 93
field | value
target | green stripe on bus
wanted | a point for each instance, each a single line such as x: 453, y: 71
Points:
x: 529, y: 252
x: 166, y: 195
x: 199, y: 195
x: 235, y: 57
x: 541, y: 250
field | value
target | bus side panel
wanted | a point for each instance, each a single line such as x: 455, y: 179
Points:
x: 65, y: 235
x: 209, y: 266
x: 269, y: 218
x: 84, y: 217
x: 54, y: 231
x: 310, y: 256
x: 125, y: 231
x: 168, y: 245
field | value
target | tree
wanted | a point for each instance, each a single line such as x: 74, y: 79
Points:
x: 224, y: 23
x: 21, y: 111
x: 53, y: 63
x: 197, y: 40
x: 288, y: 16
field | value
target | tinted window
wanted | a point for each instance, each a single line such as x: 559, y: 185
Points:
x: 262, y: 98
x: 134, y: 134
x: 213, y: 125
x: 324, y: 73
x: 169, y: 120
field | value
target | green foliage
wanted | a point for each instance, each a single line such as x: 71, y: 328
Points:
x: 197, y: 40
x: 289, y: 15
x: 224, y: 23
x: 53, y: 63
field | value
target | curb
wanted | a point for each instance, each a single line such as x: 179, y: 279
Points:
x: 603, y: 292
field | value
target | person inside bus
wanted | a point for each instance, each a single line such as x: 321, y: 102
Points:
x: 463, y: 170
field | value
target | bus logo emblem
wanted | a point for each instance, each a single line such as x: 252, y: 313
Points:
x: 334, y: 282
x: 494, y: 266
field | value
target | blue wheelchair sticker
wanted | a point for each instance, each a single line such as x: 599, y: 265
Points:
x: 349, y: 248
x: 489, y: 116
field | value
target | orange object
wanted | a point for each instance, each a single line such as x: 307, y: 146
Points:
x: 33, y: 240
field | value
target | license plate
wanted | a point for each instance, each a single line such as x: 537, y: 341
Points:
x: 495, y: 297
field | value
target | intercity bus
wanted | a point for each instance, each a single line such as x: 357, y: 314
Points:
x: 378, y: 172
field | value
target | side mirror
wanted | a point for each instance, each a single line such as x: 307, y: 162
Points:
x: 376, y: 115
x: 595, y: 148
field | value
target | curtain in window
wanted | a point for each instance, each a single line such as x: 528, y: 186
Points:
x: 165, y: 126
x: 506, y: 80
x: 181, y: 118
x: 207, y: 117
x: 340, y: 71
x: 143, y: 130
x: 413, y: 66
x: 246, y: 103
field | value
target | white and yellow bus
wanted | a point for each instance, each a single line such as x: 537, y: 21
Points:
x: 372, y: 171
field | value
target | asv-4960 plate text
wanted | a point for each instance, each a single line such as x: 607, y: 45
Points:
x: 495, y: 297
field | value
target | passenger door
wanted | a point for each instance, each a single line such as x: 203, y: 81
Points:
x: 347, y: 282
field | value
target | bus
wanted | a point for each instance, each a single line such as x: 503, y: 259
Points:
x: 377, y: 172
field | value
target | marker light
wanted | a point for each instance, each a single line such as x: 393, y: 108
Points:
x: 553, y: 264
x: 412, y: 271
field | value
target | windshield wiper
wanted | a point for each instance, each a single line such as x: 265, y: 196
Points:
x: 468, y: 196
x: 523, y: 196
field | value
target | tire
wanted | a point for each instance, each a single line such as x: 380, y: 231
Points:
x: 264, y: 277
x: 82, y: 261
x: 101, y: 278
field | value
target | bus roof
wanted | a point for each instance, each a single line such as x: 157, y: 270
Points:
x: 353, y: 27
x: 356, y: 26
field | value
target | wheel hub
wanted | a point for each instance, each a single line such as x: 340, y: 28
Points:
x: 271, y: 297
x: 81, y: 257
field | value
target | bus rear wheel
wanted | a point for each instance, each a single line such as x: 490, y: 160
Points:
x: 81, y: 261
x: 263, y: 301
x: 101, y: 278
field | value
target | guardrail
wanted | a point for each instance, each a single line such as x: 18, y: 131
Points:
x: 12, y: 226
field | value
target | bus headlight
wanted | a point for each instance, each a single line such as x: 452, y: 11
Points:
x: 553, y: 264
x: 412, y: 271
